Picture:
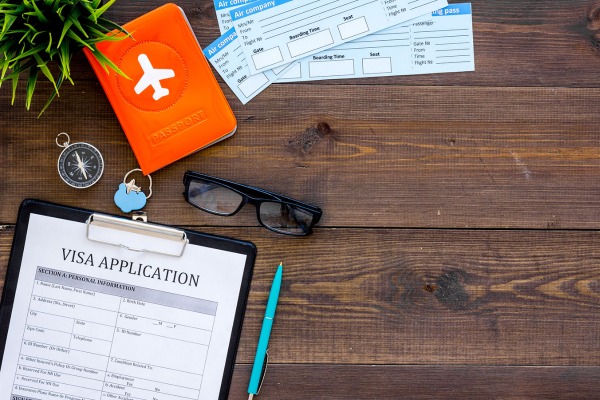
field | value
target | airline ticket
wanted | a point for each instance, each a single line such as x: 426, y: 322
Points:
x: 441, y: 41
x: 223, y: 7
x: 226, y: 56
x: 276, y: 32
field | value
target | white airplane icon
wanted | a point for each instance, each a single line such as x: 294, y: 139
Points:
x: 152, y: 77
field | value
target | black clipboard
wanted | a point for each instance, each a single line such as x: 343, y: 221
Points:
x: 106, y: 221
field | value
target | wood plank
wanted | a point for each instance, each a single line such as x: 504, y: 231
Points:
x: 344, y: 382
x: 391, y: 157
x: 425, y: 296
x: 523, y: 43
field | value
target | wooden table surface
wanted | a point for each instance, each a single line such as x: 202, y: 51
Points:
x: 458, y: 255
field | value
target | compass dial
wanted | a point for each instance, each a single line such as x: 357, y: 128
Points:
x: 80, y: 165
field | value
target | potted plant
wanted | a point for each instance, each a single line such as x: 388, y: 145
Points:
x: 42, y: 35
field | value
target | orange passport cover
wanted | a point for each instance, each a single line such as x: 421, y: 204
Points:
x: 172, y: 104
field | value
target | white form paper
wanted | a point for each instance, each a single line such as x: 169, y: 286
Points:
x: 277, y: 32
x: 226, y: 56
x: 95, y: 321
x: 434, y: 43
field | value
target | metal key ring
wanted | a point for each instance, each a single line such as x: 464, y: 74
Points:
x: 149, y: 178
x: 65, y: 144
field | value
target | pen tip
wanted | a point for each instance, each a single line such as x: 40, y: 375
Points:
x: 251, y: 396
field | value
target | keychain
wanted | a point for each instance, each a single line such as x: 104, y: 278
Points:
x: 130, y: 197
x: 80, y: 165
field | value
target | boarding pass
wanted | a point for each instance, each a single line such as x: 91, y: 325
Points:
x: 276, y: 32
x: 434, y: 43
x: 226, y: 56
x: 223, y: 7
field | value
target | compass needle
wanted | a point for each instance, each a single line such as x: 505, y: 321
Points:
x: 81, y: 165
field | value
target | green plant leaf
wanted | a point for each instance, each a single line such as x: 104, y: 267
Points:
x: 6, y: 56
x: 102, y: 9
x: 4, y: 70
x: 31, y: 81
x: 18, y: 69
x: 8, y: 21
x: 24, y: 36
x: 101, y: 36
x: 66, y: 28
x: 52, y: 95
x: 55, y: 5
x: 65, y: 59
x: 38, y: 13
x: 16, y: 31
x: 31, y: 27
x: 28, y: 53
x: 89, y: 8
x: 49, y: 42
x: 59, y: 11
x: 45, y: 70
x: 73, y: 17
x: 15, y: 82
x: 111, y: 26
x: 32, y: 40
x: 105, y: 61
x: 74, y: 36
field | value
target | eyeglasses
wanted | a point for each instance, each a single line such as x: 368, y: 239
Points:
x: 275, y: 212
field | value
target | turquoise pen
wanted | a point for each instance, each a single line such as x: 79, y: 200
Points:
x: 265, y: 332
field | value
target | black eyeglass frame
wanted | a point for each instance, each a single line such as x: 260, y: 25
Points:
x: 255, y: 196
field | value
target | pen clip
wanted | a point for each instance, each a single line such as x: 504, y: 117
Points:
x: 263, y: 372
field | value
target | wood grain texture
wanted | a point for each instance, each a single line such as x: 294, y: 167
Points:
x: 393, y: 157
x: 426, y: 297
x: 458, y: 255
x: 342, y: 382
x: 549, y: 43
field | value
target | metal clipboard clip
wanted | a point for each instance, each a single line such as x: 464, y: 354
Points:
x: 136, y: 234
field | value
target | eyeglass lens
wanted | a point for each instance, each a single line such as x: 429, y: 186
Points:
x: 285, y: 218
x: 213, y: 197
x: 279, y: 216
